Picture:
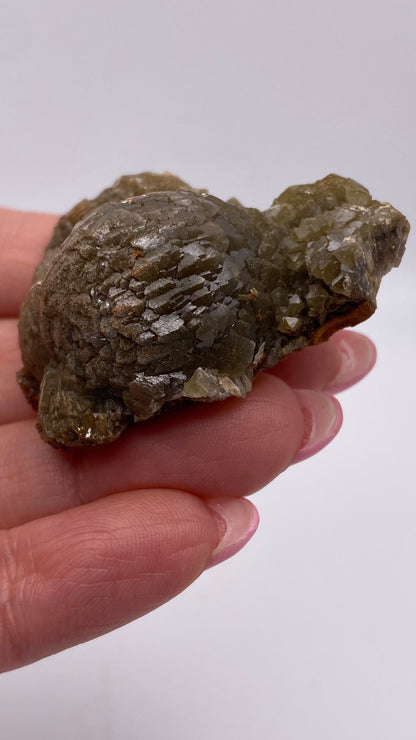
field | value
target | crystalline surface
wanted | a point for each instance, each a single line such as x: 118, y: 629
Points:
x: 156, y: 292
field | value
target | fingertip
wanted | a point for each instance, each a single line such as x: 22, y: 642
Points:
x: 343, y: 360
x: 358, y: 355
x: 323, y: 419
x: 312, y: 367
x: 238, y: 520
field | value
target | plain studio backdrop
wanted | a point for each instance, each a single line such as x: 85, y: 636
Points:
x: 309, y: 633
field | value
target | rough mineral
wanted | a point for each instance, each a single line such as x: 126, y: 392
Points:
x: 155, y: 293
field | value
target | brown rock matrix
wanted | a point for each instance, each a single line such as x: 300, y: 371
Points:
x: 155, y: 293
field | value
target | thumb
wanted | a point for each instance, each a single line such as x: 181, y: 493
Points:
x: 78, y: 574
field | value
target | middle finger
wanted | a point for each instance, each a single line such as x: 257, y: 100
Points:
x: 229, y: 448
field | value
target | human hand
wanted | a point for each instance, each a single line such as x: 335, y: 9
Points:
x: 91, y: 539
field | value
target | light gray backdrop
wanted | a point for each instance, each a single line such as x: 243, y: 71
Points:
x: 308, y: 634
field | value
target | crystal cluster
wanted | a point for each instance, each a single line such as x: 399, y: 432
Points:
x: 155, y: 293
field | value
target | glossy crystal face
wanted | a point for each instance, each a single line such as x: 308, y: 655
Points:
x: 155, y: 293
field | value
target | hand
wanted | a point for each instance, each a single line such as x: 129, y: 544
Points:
x: 93, y: 538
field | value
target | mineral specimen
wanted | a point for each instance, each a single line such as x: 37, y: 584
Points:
x: 154, y: 293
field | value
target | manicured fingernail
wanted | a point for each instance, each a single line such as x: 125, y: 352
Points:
x: 323, y: 418
x: 237, y: 521
x: 358, y: 355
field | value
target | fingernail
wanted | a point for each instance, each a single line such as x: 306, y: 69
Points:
x: 358, y: 356
x: 323, y: 418
x: 237, y: 520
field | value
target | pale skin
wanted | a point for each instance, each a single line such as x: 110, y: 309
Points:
x: 92, y: 539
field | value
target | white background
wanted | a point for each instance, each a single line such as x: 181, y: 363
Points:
x: 309, y: 633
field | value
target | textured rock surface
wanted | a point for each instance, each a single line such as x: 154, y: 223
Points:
x: 155, y: 292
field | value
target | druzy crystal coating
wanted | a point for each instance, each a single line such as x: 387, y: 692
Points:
x: 155, y: 293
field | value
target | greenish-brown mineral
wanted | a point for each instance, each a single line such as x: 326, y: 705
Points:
x: 155, y: 292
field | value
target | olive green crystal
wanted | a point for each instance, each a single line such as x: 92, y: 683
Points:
x: 155, y: 293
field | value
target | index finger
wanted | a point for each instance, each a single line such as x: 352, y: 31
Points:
x: 23, y: 239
